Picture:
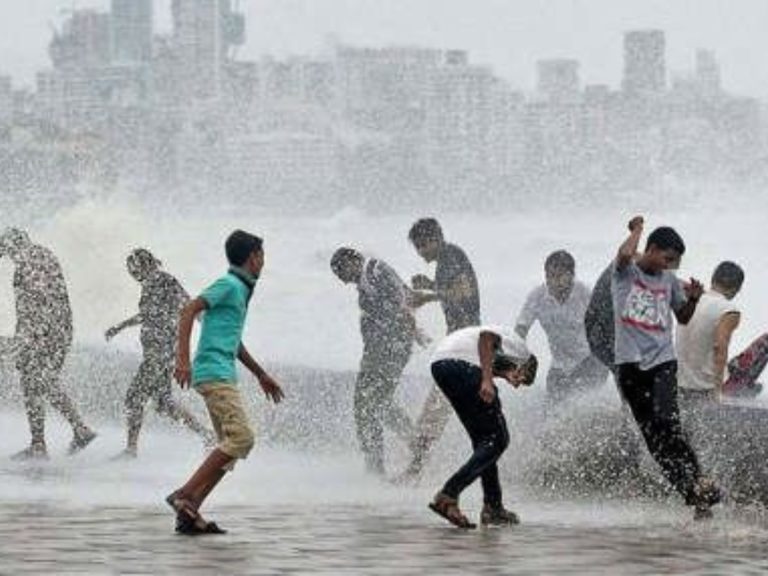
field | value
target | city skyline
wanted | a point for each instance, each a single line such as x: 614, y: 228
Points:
x: 566, y: 29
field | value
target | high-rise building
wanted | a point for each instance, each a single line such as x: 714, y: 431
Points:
x: 645, y: 69
x: 707, y: 72
x: 131, y: 31
x: 197, y: 37
x: 6, y: 100
x: 558, y: 79
x: 83, y: 41
x: 204, y: 31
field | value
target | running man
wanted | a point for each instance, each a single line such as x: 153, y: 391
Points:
x: 455, y: 288
x: 645, y: 294
x: 559, y: 305
x: 214, y: 375
x: 388, y: 328
x: 464, y: 366
x: 42, y: 340
x: 161, y: 302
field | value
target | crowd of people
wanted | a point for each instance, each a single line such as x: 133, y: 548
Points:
x: 624, y: 326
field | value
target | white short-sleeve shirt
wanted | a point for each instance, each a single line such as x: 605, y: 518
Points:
x: 562, y: 322
x: 463, y: 345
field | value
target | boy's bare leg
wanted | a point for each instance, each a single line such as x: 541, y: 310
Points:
x: 205, y: 478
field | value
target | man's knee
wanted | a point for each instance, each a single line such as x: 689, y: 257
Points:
x: 238, y: 440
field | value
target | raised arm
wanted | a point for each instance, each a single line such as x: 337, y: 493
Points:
x: 191, y: 310
x: 725, y: 329
x: 271, y: 388
x: 486, y: 347
x: 628, y: 248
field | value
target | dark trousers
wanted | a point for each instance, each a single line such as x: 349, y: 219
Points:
x: 652, y: 397
x: 374, y: 404
x: 484, y: 422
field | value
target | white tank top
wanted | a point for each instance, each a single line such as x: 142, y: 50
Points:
x: 696, y: 342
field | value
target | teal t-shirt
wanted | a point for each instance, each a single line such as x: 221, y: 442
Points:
x: 222, y: 330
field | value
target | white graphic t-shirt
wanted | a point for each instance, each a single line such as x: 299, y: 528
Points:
x: 562, y: 322
x: 643, y: 305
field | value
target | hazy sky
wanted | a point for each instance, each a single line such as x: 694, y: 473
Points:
x: 507, y: 34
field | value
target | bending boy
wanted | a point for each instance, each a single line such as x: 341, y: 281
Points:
x: 464, y: 366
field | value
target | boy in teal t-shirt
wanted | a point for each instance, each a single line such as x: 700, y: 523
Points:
x: 213, y: 374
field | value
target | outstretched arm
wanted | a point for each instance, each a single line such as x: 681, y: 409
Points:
x: 271, y: 389
x: 183, y: 372
x: 628, y: 248
x: 117, y: 328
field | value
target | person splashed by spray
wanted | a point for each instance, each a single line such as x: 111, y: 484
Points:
x: 162, y: 298
x: 42, y: 340
x: 213, y: 375
x: 464, y: 366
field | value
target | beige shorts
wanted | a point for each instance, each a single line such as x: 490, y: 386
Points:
x: 229, y: 419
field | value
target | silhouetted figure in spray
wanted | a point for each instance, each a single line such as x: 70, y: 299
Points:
x: 388, y: 329
x: 42, y: 340
x: 162, y: 298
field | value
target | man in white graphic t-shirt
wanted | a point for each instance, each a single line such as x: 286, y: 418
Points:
x: 645, y: 295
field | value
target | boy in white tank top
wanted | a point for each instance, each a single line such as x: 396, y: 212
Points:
x: 702, y: 344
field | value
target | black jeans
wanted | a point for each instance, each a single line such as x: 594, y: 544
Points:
x: 652, y: 397
x: 484, y: 422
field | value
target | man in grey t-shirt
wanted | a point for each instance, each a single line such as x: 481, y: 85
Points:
x: 389, y: 329
x: 645, y: 295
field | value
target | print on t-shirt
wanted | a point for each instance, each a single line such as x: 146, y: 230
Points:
x: 646, y: 308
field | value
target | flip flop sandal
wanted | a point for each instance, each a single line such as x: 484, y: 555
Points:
x: 451, y: 513
x: 183, y: 526
x: 184, y: 509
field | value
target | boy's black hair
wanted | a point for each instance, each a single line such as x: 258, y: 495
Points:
x: 560, y: 261
x: 143, y: 258
x: 503, y: 363
x: 343, y: 257
x: 666, y: 238
x: 425, y: 229
x: 240, y: 245
x: 728, y: 275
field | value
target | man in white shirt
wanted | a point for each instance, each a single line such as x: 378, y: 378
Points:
x: 702, y: 344
x: 464, y: 366
x: 559, y: 305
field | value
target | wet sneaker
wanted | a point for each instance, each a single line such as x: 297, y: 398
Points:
x: 498, y: 516
x: 33, y: 452
x: 80, y: 441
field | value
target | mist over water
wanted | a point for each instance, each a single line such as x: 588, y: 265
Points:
x: 298, y: 302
